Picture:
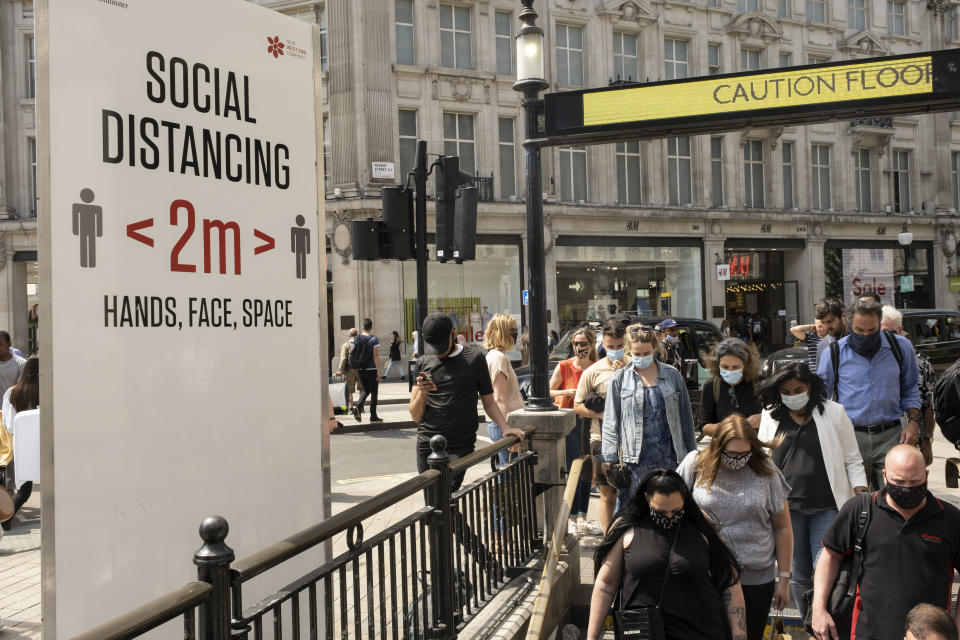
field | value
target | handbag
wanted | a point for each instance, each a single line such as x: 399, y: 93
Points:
x: 644, y: 623
x: 777, y: 632
x: 843, y: 596
x: 619, y: 474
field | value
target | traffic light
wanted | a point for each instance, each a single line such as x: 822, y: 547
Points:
x: 365, y: 239
x: 449, y: 178
x: 398, y: 239
x: 465, y: 225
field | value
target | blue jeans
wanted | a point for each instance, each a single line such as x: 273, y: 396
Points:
x: 581, y: 498
x: 496, y: 434
x: 809, y: 527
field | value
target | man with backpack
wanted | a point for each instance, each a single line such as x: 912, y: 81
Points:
x: 365, y: 358
x: 874, y: 375
x: 902, y: 546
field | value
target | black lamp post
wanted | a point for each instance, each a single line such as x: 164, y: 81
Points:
x: 530, y: 82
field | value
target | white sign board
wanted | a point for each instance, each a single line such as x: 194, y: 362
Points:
x: 868, y: 271
x: 181, y: 250
x: 382, y: 170
x: 723, y: 272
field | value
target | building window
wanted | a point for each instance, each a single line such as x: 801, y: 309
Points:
x: 713, y: 59
x: 458, y: 139
x: 323, y: 37
x: 901, y: 181
x: 749, y: 59
x: 789, y: 176
x: 896, y: 18
x: 625, y: 66
x: 783, y: 8
x: 456, y: 39
x: 955, y: 174
x: 675, y: 58
x: 629, y: 189
x: 743, y: 6
x: 818, y: 59
x: 816, y: 11
x: 785, y: 60
x: 950, y: 24
x: 573, y: 173
x: 713, y: 3
x: 326, y: 154
x: 678, y: 170
x: 504, y: 33
x: 408, y: 143
x: 31, y: 68
x: 861, y: 164
x: 569, y: 55
x: 820, y: 176
x: 753, y: 173
x: 508, y: 172
x: 404, y: 28
x: 716, y: 171
x: 857, y: 14
x: 33, y: 176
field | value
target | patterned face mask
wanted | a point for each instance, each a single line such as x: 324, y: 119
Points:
x: 581, y: 352
x: 665, y: 522
x: 735, y: 464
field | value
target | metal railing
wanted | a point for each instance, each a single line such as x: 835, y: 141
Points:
x: 484, y: 187
x: 423, y: 577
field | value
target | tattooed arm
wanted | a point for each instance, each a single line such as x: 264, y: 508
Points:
x: 606, y: 586
x: 736, y: 611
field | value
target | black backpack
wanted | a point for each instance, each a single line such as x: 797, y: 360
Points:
x: 835, y: 359
x: 361, y: 353
x: 946, y: 403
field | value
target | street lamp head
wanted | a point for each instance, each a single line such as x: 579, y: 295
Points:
x: 905, y: 238
x: 530, y: 64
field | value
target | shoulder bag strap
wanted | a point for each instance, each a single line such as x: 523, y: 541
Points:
x: 666, y: 576
x: 716, y: 390
x: 835, y: 361
x: 863, y: 521
x: 897, y: 352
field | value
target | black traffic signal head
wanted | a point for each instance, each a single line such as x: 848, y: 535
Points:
x: 398, y: 237
x: 448, y: 179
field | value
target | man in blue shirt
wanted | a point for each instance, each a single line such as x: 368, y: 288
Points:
x: 874, y: 389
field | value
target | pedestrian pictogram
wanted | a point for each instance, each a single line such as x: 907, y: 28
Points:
x: 88, y: 224
x: 300, y: 246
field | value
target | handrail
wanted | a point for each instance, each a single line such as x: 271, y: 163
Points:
x: 255, y: 564
x: 151, y: 615
x: 535, y: 629
x: 467, y: 461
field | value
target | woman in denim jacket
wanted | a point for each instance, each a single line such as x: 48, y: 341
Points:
x: 648, y: 421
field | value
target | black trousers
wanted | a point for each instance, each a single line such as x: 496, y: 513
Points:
x: 758, y: 598
x: 371, y: 387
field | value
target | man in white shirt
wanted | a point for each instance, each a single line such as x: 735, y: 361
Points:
x: 10, y: 364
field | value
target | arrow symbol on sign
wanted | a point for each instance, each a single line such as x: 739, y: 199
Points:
x: 133, y: 230
x: 268, y: 242
x: 577, y: 286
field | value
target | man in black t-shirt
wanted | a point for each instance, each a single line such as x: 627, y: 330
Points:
x: 911, y: 547
x: 444, y: 401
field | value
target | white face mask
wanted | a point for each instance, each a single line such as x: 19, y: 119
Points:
x: 642, y: 362
x: 796, y: 402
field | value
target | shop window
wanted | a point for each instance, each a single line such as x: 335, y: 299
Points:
x: 573, y: 173
x: 901, y: 181
x: 629, y: 179
x: 679, y: 170
x: 408, y: 142
x: 857, y: 14
x: 713, y: 59
x: 569, y: 55
x: 789, y: 176
x: 851, y: 272
x: 404, y: 32
x: 456, y: 37
x: 625, y: 62
x: 753, y: 174
x: 508, y: 172
x: 896, y: 18
x: 675, y: 59
x: 820, y: 176
x: 716, y: 170
x: 817, y: 11
x: 504, y: 34
x: 863, y: 182
x: 459, y: 139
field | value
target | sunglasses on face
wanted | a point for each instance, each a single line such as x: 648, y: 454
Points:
x: 736, y: 455
x: 636, y: 330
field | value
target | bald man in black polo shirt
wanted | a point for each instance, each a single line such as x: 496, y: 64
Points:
x: 911, y: 547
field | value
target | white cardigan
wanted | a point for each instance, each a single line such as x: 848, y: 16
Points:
x: 841, y: 455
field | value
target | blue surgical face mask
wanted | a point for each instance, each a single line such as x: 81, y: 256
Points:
x: 642, y: 362
x: 671, y: 339
x: 795, y: 402
x: 731, y: 377
x: 615, y: 355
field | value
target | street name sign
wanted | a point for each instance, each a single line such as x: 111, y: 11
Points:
x: 885, y: 86
x: 180, y: 250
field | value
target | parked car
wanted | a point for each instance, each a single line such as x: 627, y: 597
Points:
x: 934, y: 332
x: 699, y: 336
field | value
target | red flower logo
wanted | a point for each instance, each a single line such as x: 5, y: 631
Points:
x: 275, y: 47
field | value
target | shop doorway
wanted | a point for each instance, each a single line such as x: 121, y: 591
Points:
x: 760, y: 303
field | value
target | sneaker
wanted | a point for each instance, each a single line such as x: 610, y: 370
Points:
x: 356, y: 413
x: 573, y: 529
x: 589, y: 529
x: 376, y: 419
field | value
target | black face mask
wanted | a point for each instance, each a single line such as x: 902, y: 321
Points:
x: 907, y: 497
x: 866, y: 345
x: 665, y: 522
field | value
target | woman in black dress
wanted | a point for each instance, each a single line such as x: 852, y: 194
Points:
x: 395, y: 358
x: 702, y: 598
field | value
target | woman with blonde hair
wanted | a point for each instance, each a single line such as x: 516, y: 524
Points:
x: 500, y: 337
x: 647, y: 422
x: 563, y: 388
x: 740, y: 488
x: 735, y: 366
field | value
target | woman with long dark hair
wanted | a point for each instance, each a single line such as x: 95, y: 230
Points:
x: 661, y: 543
x: 22, y: 396
x: 819, y: 458
x: 745, y: 495
x: 395, y: 357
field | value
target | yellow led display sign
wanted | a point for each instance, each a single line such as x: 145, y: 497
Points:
x: 776, y: 89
